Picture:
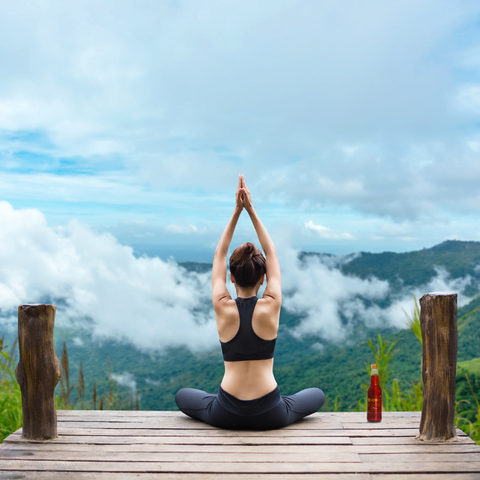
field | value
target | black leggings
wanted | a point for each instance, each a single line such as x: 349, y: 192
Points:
x: 265, y: 413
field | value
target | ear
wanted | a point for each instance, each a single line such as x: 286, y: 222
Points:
x: 262, y: 279
x: 232, y: 278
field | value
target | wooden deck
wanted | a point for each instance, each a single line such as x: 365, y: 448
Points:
x: 109, y: 445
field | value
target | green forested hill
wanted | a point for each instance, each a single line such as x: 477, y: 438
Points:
x: 339, y: 369
x: 414, y: 269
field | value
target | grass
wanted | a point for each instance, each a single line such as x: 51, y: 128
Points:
x: 470, y: 366
x: 471, y: 428
x: 110, y: 400
x: 10, y: 396
x: 11, y: 418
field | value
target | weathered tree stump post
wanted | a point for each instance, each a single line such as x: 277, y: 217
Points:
x: 438, y: 319
x: 38, y: 371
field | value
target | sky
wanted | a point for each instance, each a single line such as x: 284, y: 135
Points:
x: 356, y: 124
x: 124, y: 126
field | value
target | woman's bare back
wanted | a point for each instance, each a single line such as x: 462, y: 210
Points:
x: 249, y: 379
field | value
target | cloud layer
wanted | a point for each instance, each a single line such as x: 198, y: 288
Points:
x: 101, y: 287
x: 331, y: 304
x: 371, y: 107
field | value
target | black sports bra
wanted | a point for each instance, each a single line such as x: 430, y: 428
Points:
x: 246, y: 344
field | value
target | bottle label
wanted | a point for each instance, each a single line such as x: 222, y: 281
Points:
x: 374, y: 404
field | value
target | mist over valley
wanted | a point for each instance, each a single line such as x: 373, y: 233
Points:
x: 153, y: 321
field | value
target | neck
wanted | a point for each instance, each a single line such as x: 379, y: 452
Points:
x: 246, y: 292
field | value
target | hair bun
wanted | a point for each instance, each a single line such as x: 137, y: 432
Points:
x: 247, y: 252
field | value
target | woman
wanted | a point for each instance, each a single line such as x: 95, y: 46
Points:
x: 248, y: 397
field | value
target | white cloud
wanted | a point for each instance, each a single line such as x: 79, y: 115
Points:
x: 148, y: 381
x: 146, y: 301
x: 100, y: 286
x: 182, y: 229
x: 324, y: 232
x: 186, y: 95
x: 320, y: 293
x: 442, y: 282
x: 126, y: 379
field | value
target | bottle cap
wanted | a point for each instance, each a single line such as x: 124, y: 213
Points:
x: 374, y: 365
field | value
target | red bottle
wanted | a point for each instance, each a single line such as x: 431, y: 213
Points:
x: 374, y: 397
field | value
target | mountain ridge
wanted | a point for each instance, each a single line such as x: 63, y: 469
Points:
x: 299, y: 362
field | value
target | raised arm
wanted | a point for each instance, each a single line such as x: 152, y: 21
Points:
x: 219, y: 269
x: 273, y: 290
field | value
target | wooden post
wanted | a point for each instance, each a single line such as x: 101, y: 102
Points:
x: 38, y: 371
x: 438, y: 319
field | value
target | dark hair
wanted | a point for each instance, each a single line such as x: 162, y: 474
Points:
x: 247, y: 265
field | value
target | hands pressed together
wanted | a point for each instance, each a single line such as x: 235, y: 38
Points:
x: 243, y: 196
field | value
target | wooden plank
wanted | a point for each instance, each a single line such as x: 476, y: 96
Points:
x: 421, y: 457
x: 17, y: 475
x: 204, y: 449
x: 14, y: 475
x: 379, y: 426
x: 426, y: 476
x: 121, y: 413
x: 233, y: 433
x: 389, y: 414
x: 184, y: 424
x: 118, y: 419
x: 400, y: 450
x: 362, y: 418
x: 214, y: 457
x: 241, y: 467
x: 184, y: 419
x: 464, y: 439
x: 240, y: 448
x: 173, y: 422
x: 362, y: 415
x: 133, y: 414
x: 211, y: 440
x: 334, y: 416
x: 189, y: 423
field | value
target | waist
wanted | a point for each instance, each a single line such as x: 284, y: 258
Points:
x: 249, y: 372
x: 257, y: 406
x: 250, y: 379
